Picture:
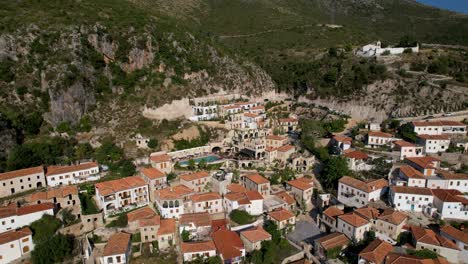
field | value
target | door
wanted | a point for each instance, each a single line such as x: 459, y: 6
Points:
x: 412, y: 207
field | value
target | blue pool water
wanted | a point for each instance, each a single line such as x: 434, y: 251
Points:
x: 460, y: 6
x: 208, y: 159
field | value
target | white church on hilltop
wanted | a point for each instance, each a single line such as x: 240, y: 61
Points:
x: 376, y: 50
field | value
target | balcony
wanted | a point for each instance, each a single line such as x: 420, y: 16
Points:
x: 109, y: 198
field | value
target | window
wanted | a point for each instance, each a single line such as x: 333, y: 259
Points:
x: 12, y: 221
x: 12, y: 245
x: 25, y: 239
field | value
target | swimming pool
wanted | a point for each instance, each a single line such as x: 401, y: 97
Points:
x: 208, y: 159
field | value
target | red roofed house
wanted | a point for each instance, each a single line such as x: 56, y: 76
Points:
x: 329, y: 242
x: 407, y: 149
x: 17, y: 181
x: 450, y: 204
x: 409, y: 176
x: 375, y: 252
x: 229, y: 246
x: 434, y: 143
x: 12, y: 217
x: 171, y: 201
x: 196, y: 180
x: 253, y: 238
x: 289, y: 124
x: 155, y: 179
x: 427, y: 165
x: 122, y: 194
x: 282, y: 218
x: 210, y: 202
x: 389, y: 224
x: 357, y: 160
x: 250, y: 201
x: 166, y: 233
x: 275, y: 141
x: 117, y: 249
x: 357, y: 193
x: 302, y: 189
x: 428, y: 239
x: 341, y: 143
x: 161, y: 161
x: 196, y: 250
x: 329, y: 218
x: 15, y: 244
x: 457, y: 236
x: 378, y: 139
x: 73, y: 174
x: 405, y: 198
x: 62, y: 197
x: 283, y: 153
x: 197, y: 224
x: 257, y: 182
x: 442, y: 127
x: 355, y: 227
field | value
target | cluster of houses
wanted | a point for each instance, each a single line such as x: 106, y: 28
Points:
x: 417, y: 187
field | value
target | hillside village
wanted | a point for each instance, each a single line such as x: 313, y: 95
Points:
x: 390, y: 192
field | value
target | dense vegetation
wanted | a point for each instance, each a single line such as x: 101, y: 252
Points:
x: 241, y: 217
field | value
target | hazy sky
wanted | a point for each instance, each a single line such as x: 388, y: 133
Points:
x: 454, y: 5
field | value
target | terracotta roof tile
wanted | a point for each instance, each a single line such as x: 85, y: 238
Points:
x: 14, y: 235
x: 455, y: 233
x: 285, y: 148
x: 333, y: 240
x: 59, y: 192
x: 286, y: 197
x: 200, y: 246
x: 118, y: 243
x: 394, y: 258
x: 450, y: 196
x: 54, y: 170
x: 393, y: 217
x: 257, y: 178
x: 404, y: 144
x: 256, y: 234
x: 301, y: 184
x: 288, y: 120
x: 368, y: 212
x: 114, y: 186
x: 344, y: 139
x: 194, y: 176
x: 228, y: 244
x: 452, y: 176
x: 12, y: 210
x: 252, y: 115
x: 174, y: 192
x: 168, y: 226
x: 411, y: 190
x: 152, y: 173
x: 21, y: 173
x: 281, y: 215
x: 368, y: 186
x: 379, y: 134
x: 203, y: 197
x: 235, y: 187
x: 276, y: 137
x: 333, y: 212
x: 423, y: 162
x: 160, y: 158
x: 253, y: 195
x: 411, y: 172
x: 376, y: 251
x: 434, y: 137
x: 353, y: 219
x: 428, y: 236
x: 356, y: 154
x: 141, y: 213
x: 198, y: 219
x: 152, y: 221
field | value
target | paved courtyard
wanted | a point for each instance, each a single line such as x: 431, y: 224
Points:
x: 305, y: 231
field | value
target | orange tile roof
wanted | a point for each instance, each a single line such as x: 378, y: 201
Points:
x: 288, y: 120
x: 60, y: 192
x: 332, y: 212
x: 434, y: 137
x: 258, y: 107
x: 160, y: 158
x: 423, y: 162
x: 276, y: 137
x: 301, y: 184
x: 379, y: 134
x: 281, y: 215
x: 403, y: 144
x: 12, y: 210
x: 411, y: 190
x: 198, y: 219
x: 231, y: 107
x: 256, y: 234
x: 235, y: 187
x: 168, y: 226
x: 21, y: 173
x: 203, y: 197
x: 333, y: 240
x: 118, y: 243
x: 450, y: 196
x: 356, y: 154
x: 341, y: 138
x: 286, y: 197
x: 393, y: 217
x: 257, y: 178
x: 428, y: 236
x: 228, y: 244
x: 13, y: 235
x: 152, y: 221
x: 152, y: 173
x: 437, y: 123
x: 252, y: 115
x: 285, y: 148
x: 376, y: 251
x: 194, y: 176
x: 253, y: 195
x: 368, y: 212
x: 141, y: 213
x: 455, y: 233
x: 114, y: 186
x: 200, y: 246
x: 174, y: 192
x: 353, y: 219
x: 394, y: 258
x: 452, y: 176
x: 54, y: 170
x: 219, y: 224
x: 368, y: 186
x: 411, y: 172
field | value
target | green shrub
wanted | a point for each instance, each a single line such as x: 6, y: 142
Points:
x: 58, y: 248
x: 121, y: 221
x: 44, y: 228
x: 241, y: 217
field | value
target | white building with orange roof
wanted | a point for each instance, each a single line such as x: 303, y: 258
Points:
x: 61, y: 197
x: 329, y: 218
x: 283, y: 219
x: 414, y: 199
x: 161, y: 161
x: 117, y: 249
x: 302, y: 189
x: 284, y: 153
x: 407, y: 149
x: 275, y: 141
x: 356, y: 193
x: 328, y: 243
x: 13, y: 217
x: 357, y: 160
x: 253, y: 238
x: 289, y: 124
x: 288, y: 199
x: 134, y: 217
x: 15, y: 244
x: 375, y: 252
x: 409, y: 176
x: 171, y: 201
x: 197, y: 250
x: 354, y: 226
x: 427, y: 165
x: 428, y: 239
x: 259, y: 109
x: 449, y: 180
x: 197, y: 224
x: 250, y: 201
x: 457, y: 236
x: 167, y: 233
x: 155, y: 179
x: 450, y: 204
x: 439, y: 127
x: 341, y: 143
x: 378, y: 139
x: 17, y: 181
x: 235, y: 188
x: 210, y: 202
x: 196, y: 180
x: 73, y: 174
x: 390, y: 224
x: 434, y: 143
x: 121, y: 195
x: 256, y: 182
